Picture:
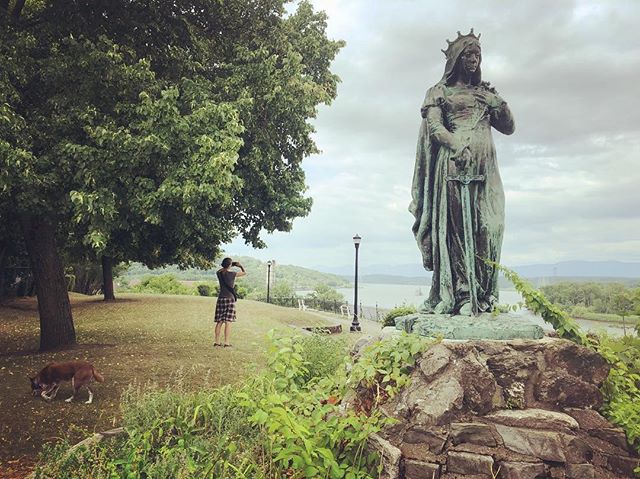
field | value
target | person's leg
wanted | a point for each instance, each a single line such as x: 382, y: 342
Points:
x: 227, y: 333
x: 217, y: 331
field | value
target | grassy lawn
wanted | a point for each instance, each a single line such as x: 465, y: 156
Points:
x: 136, y: 340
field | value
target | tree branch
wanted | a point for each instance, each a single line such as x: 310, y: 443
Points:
x: 17, y: 8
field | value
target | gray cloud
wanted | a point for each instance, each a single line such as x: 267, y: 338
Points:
x: 570, y: 171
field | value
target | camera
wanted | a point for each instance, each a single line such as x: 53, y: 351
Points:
x: 234, y: 263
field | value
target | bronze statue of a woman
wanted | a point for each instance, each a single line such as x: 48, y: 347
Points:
x: 458, y: 199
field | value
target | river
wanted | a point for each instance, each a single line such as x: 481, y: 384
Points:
x: 379, y: 297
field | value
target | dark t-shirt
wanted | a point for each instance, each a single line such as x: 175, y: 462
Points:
x: 230, y: 279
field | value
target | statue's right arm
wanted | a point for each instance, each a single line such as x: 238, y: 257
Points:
x: 439, y: 132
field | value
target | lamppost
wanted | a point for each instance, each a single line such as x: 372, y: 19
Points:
x: 269, y: 281
x: 355, y: 324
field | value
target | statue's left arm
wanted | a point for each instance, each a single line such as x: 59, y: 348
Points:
x: 499, y: 112
x: 501, y: 117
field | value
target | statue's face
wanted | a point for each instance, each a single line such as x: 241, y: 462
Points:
x: 470, y: 58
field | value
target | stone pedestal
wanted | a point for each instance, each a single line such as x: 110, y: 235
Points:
x: 501, y: 326
x: 521, y: 409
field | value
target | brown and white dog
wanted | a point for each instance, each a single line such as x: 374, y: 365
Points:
x: 47, y: 382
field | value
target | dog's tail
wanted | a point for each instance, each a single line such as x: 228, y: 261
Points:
x: 99, y: 377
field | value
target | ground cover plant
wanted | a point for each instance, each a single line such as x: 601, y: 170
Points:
x: 390, y: 317
x: 285, y: 421
x: 137, y: 339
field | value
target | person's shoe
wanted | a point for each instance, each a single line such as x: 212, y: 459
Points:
x: 227, y: 345
x: 217, y: 345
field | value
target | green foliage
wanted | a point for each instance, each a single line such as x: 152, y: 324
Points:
x: 204, y: 289
x: 289, y: 277
x: 157, y: 131
x: 299, y: 409
x: 96, y: 463
x: 537, y: 303
x: 284, y: 422
x: 165, y: 284
x: 322, y: 355
x: 384, y: 368
x: 326, y: 293
x: 390, y: 317
x: 594, y: 297
x: 621, y: 389
x: 241, y: 290
x: 282, y: 289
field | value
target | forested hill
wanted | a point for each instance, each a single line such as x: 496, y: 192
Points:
x: 296, y: 276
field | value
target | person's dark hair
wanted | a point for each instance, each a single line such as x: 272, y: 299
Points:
x: 226, y: 262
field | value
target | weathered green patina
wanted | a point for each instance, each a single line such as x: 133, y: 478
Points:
x: 485, y: 326
x: 458, y: 199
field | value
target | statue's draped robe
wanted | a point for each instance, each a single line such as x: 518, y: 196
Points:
x: 437, y: 205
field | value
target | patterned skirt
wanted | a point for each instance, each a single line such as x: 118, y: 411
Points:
x: 225, y: 310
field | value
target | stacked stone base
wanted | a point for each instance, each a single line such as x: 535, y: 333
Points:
x: 520, y: 409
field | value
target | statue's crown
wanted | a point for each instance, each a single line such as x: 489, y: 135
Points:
x: 461, y: 38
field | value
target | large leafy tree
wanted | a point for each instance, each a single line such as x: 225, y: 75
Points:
x: 153, y: 130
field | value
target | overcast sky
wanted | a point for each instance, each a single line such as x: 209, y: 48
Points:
x: 571, y: 171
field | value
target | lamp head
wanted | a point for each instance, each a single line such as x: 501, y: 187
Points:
x: 356, y: 239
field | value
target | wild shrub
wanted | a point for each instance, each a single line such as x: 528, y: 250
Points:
x: 621, y: 391
x: 308, y: 434
x: 162, y: 284
x: 204, y: 289
x: 322, y: 355
x: 287, y: 421
x: 390, y: 317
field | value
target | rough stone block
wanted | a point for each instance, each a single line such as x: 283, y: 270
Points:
x: 479, y: 384
x: 434, y: 360
x: 622, y: 465
x: 580, y: 471
x: 434, y: 439
x: 469, y: 463
x: 511, y: 365
x: 577, y: 361
x: 389, y: 455
x: 475, y: 433
x: 534, y: 418
x: 615, y: 436
x: 433, y: 405
x: 557, y: 473
x: 576, y: 450
x: 522, y: 470
x: 421, y: 470
x: 567, y: 391
x: 541, y: 444
x: 588, y: 418
x: 419, y: 452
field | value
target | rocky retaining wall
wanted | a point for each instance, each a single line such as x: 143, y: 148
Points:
x: 521, y: 409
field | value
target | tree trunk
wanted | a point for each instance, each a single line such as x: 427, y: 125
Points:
x: 56, y: 322
x: 107, y: 278
x: 3, y: 249
x: 17, y: 9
